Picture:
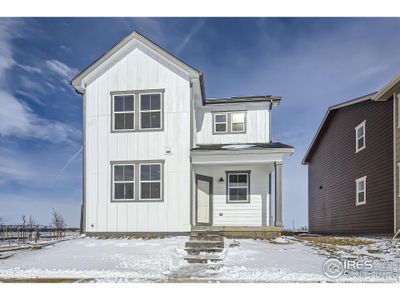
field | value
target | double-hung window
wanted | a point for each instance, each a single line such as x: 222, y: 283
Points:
x: 137, y: 181
x: 221, y: 123
x: 360, y: 137
x: 361, y: 190
x: 229, y: 122
x: 123, y: 182
x: 238, y: 186
x: 150, y: 111
x: 123, y: 112
x: 137, y: 110
x: 150, y: 181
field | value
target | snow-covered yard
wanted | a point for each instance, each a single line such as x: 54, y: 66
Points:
x: 161, y: 260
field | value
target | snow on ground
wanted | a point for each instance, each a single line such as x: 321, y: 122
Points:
x: 161, y: 260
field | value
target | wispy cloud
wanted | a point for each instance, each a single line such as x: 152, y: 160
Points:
x: 30, y: 69
x: 61, y: 69
x: 17, y: 118
x: 189, y: 36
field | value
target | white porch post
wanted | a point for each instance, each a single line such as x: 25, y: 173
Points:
x: 278, y: 194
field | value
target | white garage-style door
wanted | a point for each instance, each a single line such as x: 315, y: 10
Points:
x: 203, y: 200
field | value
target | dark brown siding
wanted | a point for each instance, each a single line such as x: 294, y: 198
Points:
x: 334, y: 167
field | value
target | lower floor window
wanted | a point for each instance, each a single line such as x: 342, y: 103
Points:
x: 238, y: 186
x: 123, y: 182
x: 137, y: 181
x: 150, y: 181
x: 361, y: 190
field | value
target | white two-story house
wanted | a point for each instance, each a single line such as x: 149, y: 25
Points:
x: 160, y: 157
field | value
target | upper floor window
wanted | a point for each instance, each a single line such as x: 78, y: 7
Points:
x: 150, y: 111
x: 137, y: 110
x: 361, y: 190
x: 229, y: 122
x: 238, y: 186
x: 360, y: 137
x: 124, y: 112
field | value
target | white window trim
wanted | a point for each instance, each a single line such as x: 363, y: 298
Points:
x: 247, y: 187
x: 398, y: 111
x: 154, y: 110
x: 123, y: 112
x: 226, y: 122
x: 122, y: 181
x: 365, y: 190
x: 363, y: 136
x: 151, y: 181
x: 244, y: 122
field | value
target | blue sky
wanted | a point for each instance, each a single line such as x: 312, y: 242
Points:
x: 311, y: 62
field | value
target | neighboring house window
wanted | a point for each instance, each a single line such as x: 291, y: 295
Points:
x: 150, y: 111
x: 361, y: 190
x: 123, y: 182
x: 238, y: 186
x: 150, y: 181
x: 221, y: 123
x: 123, y: 112
x: 229, y: 122
x: 360, y: 137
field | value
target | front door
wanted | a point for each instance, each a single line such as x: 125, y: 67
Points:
x: 203, y: 200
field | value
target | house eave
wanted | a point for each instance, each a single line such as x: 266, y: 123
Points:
x: 387, y: 91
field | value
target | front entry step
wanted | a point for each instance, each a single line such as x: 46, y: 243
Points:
x: 204, y: 247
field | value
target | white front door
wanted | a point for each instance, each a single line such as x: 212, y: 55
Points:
x: 203, y: 201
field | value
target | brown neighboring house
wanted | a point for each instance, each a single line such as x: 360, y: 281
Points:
x: 353, y: 166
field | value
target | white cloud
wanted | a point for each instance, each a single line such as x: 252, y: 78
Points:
x: 16, y: 118
x: 30, y: 69
x: 64, y: 71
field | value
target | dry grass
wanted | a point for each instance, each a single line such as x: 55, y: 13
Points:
x: 334, y: 241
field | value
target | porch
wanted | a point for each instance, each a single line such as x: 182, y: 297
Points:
x: 237, y: 189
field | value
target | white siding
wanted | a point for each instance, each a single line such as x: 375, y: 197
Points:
x: 257, y: 124
x: 254, y: 213
x: 138, y: 71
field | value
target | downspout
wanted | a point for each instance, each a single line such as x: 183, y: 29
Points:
x: 83, y: 209
x: 395, y: 123
x: 191, y: 146
x: 270, y: 175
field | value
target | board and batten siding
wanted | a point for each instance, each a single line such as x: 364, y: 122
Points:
x: 334, y: 166
x: 397, y: 157
x: 254, y: 213
x: 257, y: 124
x: 138, y: 71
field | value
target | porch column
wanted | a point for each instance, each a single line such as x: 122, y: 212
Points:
x: 278, y: 194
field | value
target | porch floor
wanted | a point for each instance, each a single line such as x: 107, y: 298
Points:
x: 262, y: 232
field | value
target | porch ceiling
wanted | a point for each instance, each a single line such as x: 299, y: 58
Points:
x: 239, y: 154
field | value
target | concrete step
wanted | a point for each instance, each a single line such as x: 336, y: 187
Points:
x: 206, y: 237
x: 204, y: 244
x: 196, y: 251
x: 200, y: 259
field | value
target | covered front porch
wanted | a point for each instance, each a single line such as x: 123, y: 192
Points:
x: 237, y: 189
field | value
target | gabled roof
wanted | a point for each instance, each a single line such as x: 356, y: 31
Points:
x: 328, y: 115
x: 388, y: 90
x: 76, y: 82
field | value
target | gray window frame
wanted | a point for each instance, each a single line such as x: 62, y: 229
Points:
x: 229, y: 122
x: 137, y: 112
x: 113, y: 112
x: 161, y: 181
x: 123, y: 181
x: 137, y: 181
x: 247, y: 172
x: 160, y: 110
